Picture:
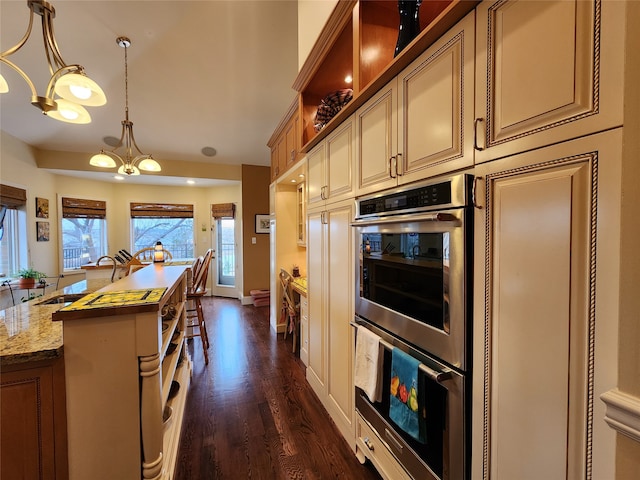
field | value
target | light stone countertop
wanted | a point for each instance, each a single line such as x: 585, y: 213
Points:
x: 27, y: 332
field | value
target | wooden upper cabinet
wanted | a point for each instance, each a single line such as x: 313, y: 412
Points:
x: 285, y: 141
x: 545, y: 73
x: 359, y: 41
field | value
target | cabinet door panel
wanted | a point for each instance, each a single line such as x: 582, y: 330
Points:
x: 316, y: 300
x: 340, y: 158
x: 340, y: 340
x: 27, y: 439
x: 436, y: 96
x: 541, y: 77
x: 535, y: 318
x: 315, y: 174
x: 291, y: 141
x: 376, y: 135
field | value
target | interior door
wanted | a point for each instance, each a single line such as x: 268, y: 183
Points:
x: 224, y: 261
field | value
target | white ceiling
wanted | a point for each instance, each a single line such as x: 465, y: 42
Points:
x: 214, y: 73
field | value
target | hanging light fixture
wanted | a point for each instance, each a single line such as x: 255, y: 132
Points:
x: 130, y: 165
x: 67, y: 81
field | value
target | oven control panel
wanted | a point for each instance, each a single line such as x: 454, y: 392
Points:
x: 448, y: 193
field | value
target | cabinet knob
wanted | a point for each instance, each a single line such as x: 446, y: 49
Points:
x: 368, y: 443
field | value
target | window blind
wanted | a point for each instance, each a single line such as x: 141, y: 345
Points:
x: 223, y: 210
x: 12, y: 197
x: 161, y: 210
x: 81, y: 208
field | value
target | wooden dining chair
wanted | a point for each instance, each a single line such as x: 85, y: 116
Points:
x: 146, y: 254
x: 290, y: 309
x: 196, y: 326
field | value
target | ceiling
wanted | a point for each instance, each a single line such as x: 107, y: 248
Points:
x: 212, y: 73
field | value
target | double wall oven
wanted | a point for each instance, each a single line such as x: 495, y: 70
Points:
x: 414, y: 291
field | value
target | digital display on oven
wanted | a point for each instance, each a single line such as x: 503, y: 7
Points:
x: 418, y: 198
x: 393, y: 203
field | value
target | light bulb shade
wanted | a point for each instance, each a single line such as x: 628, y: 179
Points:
x: 158, y: 253
x: 132, y: 170
x: 79, y: 88
x: 4, y: 86
x: 149, y: 165
x: 102, y: 160
x: 69, y: 112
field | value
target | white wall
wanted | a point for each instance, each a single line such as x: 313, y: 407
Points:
x: 18, y: 168
x: 312, y: 15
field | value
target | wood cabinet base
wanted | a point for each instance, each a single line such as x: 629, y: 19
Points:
x: 33, y: 441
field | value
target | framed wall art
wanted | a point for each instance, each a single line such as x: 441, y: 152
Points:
x: 42, y: 229
x: 262, y: 223
x: 42, y: 207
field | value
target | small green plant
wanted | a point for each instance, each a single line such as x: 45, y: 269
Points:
x: 30, y: 273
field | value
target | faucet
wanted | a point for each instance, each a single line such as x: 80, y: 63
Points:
x: 113, y: 271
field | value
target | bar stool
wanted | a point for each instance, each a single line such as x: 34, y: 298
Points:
x: 195, y: 316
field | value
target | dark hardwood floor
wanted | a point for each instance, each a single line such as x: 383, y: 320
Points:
x: 250, y: 413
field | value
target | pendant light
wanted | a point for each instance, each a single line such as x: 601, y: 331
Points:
x: 130, y: 164
x: 69, y: 82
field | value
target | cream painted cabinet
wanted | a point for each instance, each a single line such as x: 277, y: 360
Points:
x: 421, y: 123
x: 316, y: 293
x: 331, y: 166
x: 304, y: 329
x: 546, y: 72
x: 545, y: 342
x: 330, y: 280
x: 127, y: 372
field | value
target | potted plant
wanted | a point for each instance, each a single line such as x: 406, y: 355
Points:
x: 29, y: 276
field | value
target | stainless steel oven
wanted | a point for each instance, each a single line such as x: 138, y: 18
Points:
x: 414, y: 257
x: 443, y: 399
x: 414, y: 292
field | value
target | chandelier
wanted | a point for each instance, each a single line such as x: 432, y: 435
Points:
x: 130, y: 165
x: 69, y: 82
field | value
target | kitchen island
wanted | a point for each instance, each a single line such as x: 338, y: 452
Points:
x: 33, y: 411
x: 116, y: 358
x: 127, y: 375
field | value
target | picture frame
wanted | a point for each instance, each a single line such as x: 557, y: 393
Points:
x: 42, y: 229
x: 262, y: 223
x: 42, y: 207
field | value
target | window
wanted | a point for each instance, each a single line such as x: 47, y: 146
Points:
x: 226, y: 251
x: 13, y: 230
x: 84, y: 231
x: 223, y: 215
x: 171, y: 224
x: 10, y: 247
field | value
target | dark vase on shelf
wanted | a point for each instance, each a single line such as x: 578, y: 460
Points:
x: 409, y: 23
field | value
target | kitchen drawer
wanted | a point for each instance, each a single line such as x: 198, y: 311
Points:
x: 375, y: 450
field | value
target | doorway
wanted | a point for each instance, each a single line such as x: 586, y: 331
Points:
x: 224, y: 261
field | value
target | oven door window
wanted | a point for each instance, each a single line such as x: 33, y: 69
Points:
x: 408, y: 273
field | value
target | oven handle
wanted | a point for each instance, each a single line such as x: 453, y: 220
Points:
x: 429, y: 217
x: 436, y: 376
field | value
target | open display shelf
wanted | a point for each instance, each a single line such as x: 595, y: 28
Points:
x: 359, y: 40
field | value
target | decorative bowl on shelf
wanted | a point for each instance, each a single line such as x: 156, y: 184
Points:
x: 330, y: 106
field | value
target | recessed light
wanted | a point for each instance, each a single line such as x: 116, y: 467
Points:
x: 301, y: 175
x: 348, y: 79
x: 111, y: 141
x: 293, y: 180
x: 191, y: 182
x: 209, y: 151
